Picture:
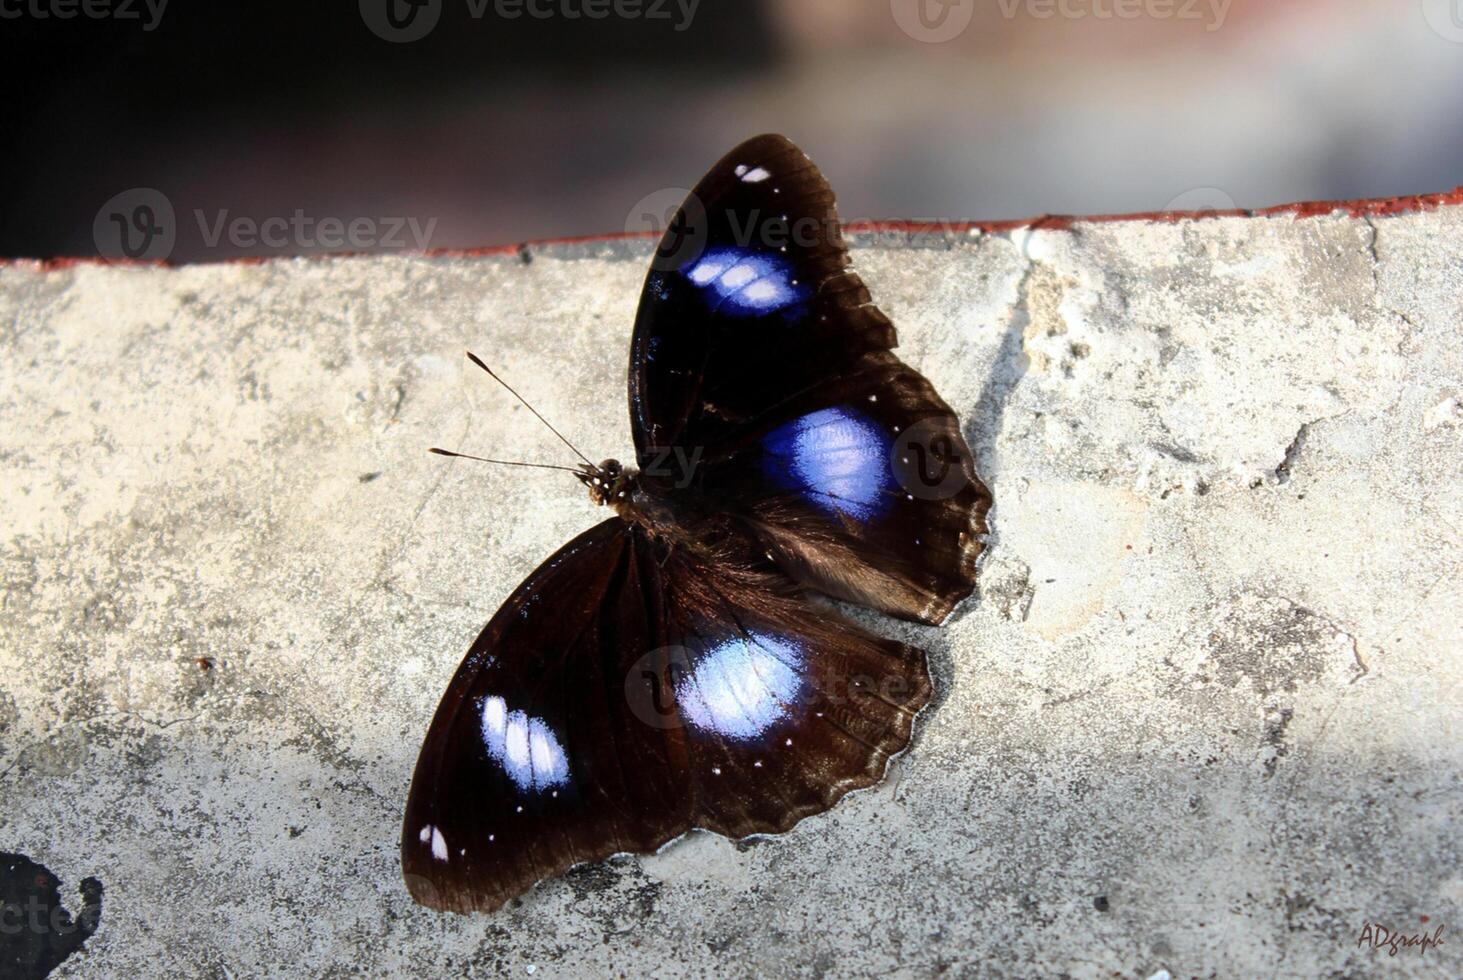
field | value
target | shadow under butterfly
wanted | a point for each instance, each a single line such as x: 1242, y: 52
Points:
x: 664, y: 671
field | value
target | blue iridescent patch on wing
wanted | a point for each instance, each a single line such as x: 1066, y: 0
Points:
x: 525, y: 747
x: 837, y: 458
x: 742, y: 686
x: 742, y: 282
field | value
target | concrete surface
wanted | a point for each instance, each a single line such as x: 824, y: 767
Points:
x: 1204, y: 718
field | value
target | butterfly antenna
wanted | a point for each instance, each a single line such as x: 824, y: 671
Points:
x: 501, y: 462
x: 478, y: 361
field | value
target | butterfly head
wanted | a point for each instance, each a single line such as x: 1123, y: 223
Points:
x: 608, y: 483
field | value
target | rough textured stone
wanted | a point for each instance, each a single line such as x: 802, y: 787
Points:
x: 1204, y: 717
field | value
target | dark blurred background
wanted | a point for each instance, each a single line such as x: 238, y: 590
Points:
x: 491, y: 128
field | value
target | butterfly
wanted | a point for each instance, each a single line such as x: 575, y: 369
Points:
x: 668, y: 669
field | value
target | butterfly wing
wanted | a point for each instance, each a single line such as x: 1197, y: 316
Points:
x: 762, y: 382
x: 628, y: 692
x: 781, y: 706
x: 530, y: 732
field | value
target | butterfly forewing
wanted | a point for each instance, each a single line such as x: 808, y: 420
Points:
x: 749, y: 297
x: 762, y: 385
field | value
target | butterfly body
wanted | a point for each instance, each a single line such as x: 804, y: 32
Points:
x: 610, y: 485
x: 668, y: 669
x: 655, y: 510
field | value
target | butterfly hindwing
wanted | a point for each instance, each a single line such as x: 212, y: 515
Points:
x: 630, y: 691
x: 784, y: 705
x: 762, y: 383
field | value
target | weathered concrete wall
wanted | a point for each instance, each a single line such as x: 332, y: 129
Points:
x: 1204, y: 717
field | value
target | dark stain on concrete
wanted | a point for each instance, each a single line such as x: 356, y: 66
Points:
x: 1277, y: 720
x: 1273, y: 643
x: 591, y: 879
x: 36, y: 931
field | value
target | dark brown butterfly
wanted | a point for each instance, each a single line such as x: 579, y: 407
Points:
x: 664, y: 671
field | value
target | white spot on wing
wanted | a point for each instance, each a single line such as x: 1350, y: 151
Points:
x: 439, y: 845
x: 738, y: 276
x: 515, y: 743
x: 742, y: 686
x: 740, y: 282
x: 525, y: 746
x: 765, y: 291
x: 710, y: 267
x: 549, y: 765
x: 495, y: 718
x: 836, y: 456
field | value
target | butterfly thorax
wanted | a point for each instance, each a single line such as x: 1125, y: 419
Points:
x: 609, y: 483
x: 650, y: 503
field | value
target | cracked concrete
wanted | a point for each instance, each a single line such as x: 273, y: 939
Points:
x: 1203, y: 717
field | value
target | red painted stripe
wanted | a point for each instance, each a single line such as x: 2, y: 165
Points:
x: 1374, y: 207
